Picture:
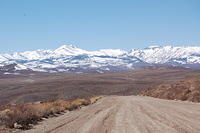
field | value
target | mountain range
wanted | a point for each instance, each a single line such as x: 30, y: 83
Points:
x: 68, y: 58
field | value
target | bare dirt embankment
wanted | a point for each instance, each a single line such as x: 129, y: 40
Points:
x: 127, y: 114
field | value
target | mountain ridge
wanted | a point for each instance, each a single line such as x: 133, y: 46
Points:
x: 72, y: 59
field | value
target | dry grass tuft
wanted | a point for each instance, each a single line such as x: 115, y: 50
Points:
x: 22, y: 115
x: 188, y: 89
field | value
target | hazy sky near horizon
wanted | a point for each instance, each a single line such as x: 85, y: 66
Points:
x: 98, y: 24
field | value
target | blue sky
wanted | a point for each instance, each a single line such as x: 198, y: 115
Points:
x: 98, y: 24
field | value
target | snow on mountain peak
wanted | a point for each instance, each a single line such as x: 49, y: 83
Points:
x: 71, y: 58
x: 67, y: 47
x: 69, y: 50
x: 169, y: 54
x: 153, y: 46
x: 109, y: 52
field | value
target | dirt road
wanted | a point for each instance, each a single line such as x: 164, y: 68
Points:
x: 127, y: 114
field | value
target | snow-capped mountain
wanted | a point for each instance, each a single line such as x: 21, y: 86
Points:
x: 169, y: 55
x: 70, y: 58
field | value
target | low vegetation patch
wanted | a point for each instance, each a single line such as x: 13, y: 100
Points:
x: 185, y: 90
x: 23, y: 115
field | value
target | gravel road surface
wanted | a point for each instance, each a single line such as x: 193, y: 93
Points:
x: 126, y: 114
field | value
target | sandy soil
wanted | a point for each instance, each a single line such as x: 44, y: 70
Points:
x: 126, y: 114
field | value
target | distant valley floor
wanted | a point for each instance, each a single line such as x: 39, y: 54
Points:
x: 52, y: 86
